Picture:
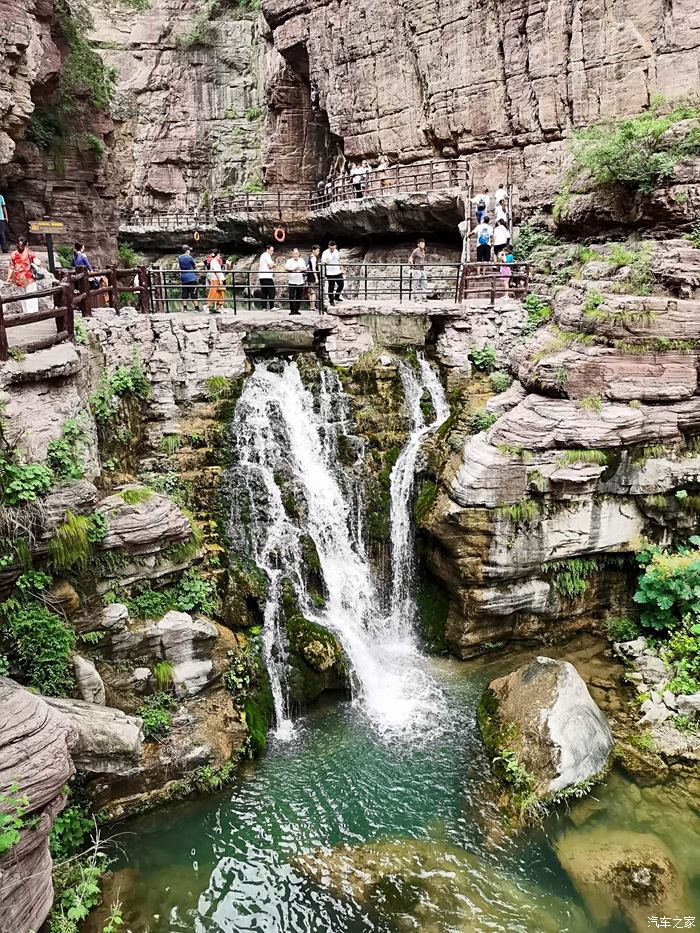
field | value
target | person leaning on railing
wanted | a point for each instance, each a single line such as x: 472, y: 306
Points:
x: 189, y: 286
x: 296, y: 273
x: 330, y: 260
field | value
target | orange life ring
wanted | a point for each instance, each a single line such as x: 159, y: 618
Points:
x: 280, y: 234
x: 195, y: 235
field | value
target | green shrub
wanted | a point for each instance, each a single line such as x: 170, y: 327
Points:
x: 63, y: 453
x: 125, y: 381
x: 128, y: 257
x: 590, y: 403
x: 155, y: 712
x: 163, y: 674
x: 136, y: 496
x: 39, y: 645
x: 482, y: 420
x: 253, y: 113
x: 191, y: 594
x: 693, y: 236
x: 70, y: 830
x: 483, y: 358
x: 636, y: 152
x: 593, y: 300
x: 619, y: 630
x: 668, y: 589
x: 531, y: 235
x: 254, y: 186
x: 70, y: 547
x: 501, y: 381
x: 76, y: 891
x: 96, y: 144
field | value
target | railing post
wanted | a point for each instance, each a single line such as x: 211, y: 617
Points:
x: 143, y: 286
x: 151, y: 294
x: 366, y: 273
x: 4, y: 348
x: 69, y: 316
x: 400, y: 283
x: 112, y: 283
x: 493, y: 292
x: 84, y: 289
x: 321, y: 302
x: 233, y: 288
x: 398, y: 181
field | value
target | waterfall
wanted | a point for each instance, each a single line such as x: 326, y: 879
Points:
x: 279, y: 426
x: 403, y: 607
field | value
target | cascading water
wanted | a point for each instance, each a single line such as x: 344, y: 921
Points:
x: 278, y: 426
x: 403, y: 606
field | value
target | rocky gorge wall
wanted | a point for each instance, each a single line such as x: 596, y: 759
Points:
x: 491, y: 82
x: 186, y: 105
x: 69, y: 181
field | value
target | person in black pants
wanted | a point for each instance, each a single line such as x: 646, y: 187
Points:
x: 330, y: 260
x: 266, y: 278
x: 296, y: 269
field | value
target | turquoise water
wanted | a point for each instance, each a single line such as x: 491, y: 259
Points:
x: 339, y: 831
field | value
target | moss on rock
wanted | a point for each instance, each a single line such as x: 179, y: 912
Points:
x: 433, y: 606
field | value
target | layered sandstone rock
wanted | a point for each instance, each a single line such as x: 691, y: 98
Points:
x: 186, y: 108
x: 71, y: 185
x: 410, y: 82
x: 35, y: 746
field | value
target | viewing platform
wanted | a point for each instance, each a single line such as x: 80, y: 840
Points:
x: 437, y: 187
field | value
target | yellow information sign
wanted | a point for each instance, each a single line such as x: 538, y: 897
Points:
x: 46, y: 226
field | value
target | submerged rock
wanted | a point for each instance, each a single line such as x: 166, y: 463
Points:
x: 428, y: 886
x: 621, y: 870
x: 543, y: 728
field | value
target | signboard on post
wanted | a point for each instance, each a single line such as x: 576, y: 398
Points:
x: 48, y: 228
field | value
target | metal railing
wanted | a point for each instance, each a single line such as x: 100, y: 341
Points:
x: 416, y: 177
x: 244, y: 290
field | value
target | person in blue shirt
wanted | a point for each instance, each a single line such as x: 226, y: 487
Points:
x: 80, y: 260
x: 4, y: 220
x: 188, y: 279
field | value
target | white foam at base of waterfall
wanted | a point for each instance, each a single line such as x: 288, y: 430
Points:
x: 278, y: 425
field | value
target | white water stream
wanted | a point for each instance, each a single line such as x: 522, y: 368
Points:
x: 278, y: 428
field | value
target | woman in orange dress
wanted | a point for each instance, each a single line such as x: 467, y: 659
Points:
x: 19, y: 274
x: 215, y: 281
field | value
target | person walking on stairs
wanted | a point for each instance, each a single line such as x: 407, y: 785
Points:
x: 267, y: 280
x: 481, y: 204
x: 419, y: 279
x: 330, y: 260
x: 484, y: 235
x: 296, y: 269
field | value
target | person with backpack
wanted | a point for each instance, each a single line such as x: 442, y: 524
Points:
x: 481, y: 204
x: 189, y: 286
x: 484, y: 237
x: 312, y: 276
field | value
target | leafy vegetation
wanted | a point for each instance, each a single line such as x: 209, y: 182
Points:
x: 190, y: 594
x: 623, y: 629
x: 21, y: 483
x: 13, y: 806
x: 70, y: 830
x: 163, y: 674
x: 523, y: 512
x: 484, y: 358
x: 501, y: 381
x: 531, y: 236
x: 571, y: 576
x: 125, y: 381
x: 669, y: 586
x: 136, y: 495
x: 71, y: 546
x: 538, y: 313
x: 590, y: 403
x: 640, y: 152
x: 693, y: 237
x: 155, y: 712
x: 482, y: 420
x: 128, y: 257
x: 77, y: 891
x: 593, y: 300
x: 38, y: 644
x: 63, y: 454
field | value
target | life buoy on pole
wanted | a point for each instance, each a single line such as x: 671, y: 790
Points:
x: 195, y: 235
x: 280, y: 234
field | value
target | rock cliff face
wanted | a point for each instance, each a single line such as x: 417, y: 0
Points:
x: 412, y: 81
x: 72, y: 184
x: 35, y: 745
x: 595, y: 448
x: 187, y: 101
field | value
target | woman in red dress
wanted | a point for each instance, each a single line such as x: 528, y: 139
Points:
x: 20, y: 274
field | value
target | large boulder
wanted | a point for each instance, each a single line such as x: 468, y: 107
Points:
x: 35, y: 745
x: 109, y: 741
x: 541, y: 721
x: 145, y: 525
x: 634, y: 873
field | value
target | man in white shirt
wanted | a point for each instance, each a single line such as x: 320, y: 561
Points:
x: 501, y: 194
x: 296, y: 269
x: 267, y: 279
x: 481, y: 204
x: 483, y: 234
x: 330, y: 260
